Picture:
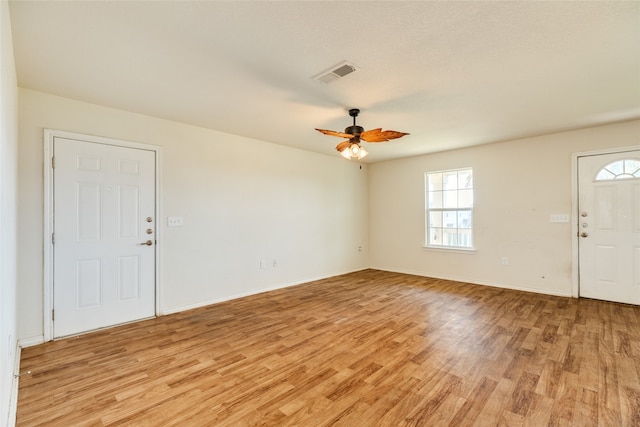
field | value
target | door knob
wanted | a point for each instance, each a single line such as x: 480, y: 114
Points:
x: 147, y: 243
x: 584, y: 234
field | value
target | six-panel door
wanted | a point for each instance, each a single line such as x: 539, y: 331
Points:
x: 104, y: 216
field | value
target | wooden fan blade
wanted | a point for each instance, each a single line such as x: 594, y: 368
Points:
x: 334, y: 133
x: 343, y: 145
x: 379, y: 135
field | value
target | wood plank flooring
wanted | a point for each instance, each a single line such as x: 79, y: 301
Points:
x: 370, y: 348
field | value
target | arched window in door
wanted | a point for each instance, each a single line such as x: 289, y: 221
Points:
x: 620, y: 169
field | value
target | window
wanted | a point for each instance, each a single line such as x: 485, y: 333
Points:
x: 449, y: 209
x: 621, y: 169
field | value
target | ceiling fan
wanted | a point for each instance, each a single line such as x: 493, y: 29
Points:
x: 351, y: 148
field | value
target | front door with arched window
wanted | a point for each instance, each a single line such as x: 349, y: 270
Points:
x: 609, y: 226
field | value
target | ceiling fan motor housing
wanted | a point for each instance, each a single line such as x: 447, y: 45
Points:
x: 354, y: 130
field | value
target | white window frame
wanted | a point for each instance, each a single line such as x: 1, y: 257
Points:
x: 447, y: 247
x: 628, y: 171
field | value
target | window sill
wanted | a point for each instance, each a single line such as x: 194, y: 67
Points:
x: 468, y: 251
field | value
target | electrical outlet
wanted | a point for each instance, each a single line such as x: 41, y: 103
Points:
x: 505, y: 260
x: 263, y: 264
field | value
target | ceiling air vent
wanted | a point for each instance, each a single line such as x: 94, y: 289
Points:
x: 336, y: 72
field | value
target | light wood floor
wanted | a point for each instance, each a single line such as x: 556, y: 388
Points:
x: 364, y: 349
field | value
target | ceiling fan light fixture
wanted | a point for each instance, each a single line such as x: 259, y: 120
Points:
x: 353, y: 151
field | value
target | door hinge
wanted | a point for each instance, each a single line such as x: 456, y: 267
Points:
x: 53, y: 238
x: 53, y: 315
x: 53, y: 162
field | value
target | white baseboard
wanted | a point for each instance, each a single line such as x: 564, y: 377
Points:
x: 172, y: 310
x: 13, y: 396
x: 476, y: 282
x: 30, y: 342
x: 414, y: 273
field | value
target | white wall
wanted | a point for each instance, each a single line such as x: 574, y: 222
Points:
x: 8, y: 194
x: 242, y: 200
x: 518, y: 184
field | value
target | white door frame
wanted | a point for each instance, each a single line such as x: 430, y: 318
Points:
x: 575, y: 216
x: 49, y: 136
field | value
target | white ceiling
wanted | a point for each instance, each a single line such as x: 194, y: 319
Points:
x: 452, y: 74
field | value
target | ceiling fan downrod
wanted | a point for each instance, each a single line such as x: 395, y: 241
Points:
x: 354, y: 130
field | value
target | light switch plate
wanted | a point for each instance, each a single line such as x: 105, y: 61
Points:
x: 175, y: 221
x: 559, y: 217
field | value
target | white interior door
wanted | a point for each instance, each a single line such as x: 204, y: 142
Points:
x: 609, y: 226
x: 104, y: 214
